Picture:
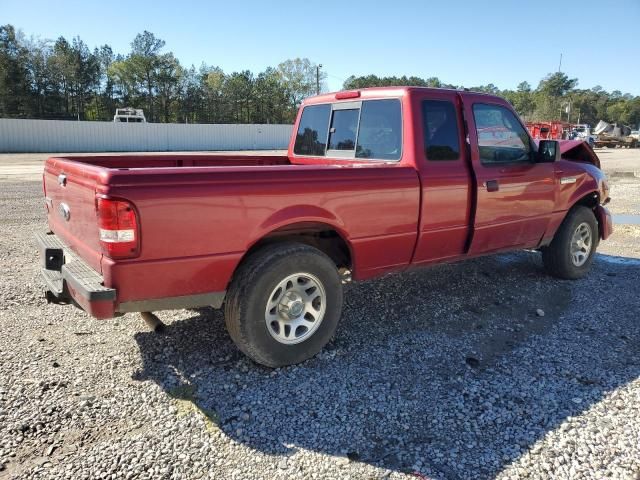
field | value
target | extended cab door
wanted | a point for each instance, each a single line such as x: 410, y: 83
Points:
x: 445, y: 176
x: 515, y: 195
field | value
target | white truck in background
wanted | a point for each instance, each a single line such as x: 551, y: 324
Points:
x: 129, y: 115
x: 582, y: 131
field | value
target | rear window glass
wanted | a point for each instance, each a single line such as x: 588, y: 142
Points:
x: 311, y: 138
x: 362, y: 129
x: 344, y: 127
x: 441, y: 135
x: 380, y: 133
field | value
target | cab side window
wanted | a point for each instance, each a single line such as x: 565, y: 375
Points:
x: 311, y: 138
x: 441, y: 135
x: 501, y: 137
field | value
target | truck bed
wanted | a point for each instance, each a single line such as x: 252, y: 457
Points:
x: 187, y: 205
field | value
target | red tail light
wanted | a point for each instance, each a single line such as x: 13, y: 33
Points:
x: 118, y: 227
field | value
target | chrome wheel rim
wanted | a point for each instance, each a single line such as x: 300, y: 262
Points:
x: 581, y: 244
x: 295, y: 308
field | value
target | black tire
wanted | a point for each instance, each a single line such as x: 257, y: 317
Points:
x: 557, y: 258
x: 249, y: 292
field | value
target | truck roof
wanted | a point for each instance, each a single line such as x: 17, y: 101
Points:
x: 377, y: 92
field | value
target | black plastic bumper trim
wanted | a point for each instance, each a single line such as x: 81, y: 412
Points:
x: 73, y: 271
x: 214, y: 300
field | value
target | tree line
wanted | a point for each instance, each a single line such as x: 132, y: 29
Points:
x: 555, y: 98
x: 65, y: 79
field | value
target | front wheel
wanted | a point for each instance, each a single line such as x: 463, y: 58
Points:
x: 284, y: 304
x: 571, y: 252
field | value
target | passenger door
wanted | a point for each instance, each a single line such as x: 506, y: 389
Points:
x: 515, y: 195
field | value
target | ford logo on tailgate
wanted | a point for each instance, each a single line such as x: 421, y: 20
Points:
x: 63, y: 210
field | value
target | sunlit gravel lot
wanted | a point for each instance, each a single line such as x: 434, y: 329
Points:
x: 482, y: 369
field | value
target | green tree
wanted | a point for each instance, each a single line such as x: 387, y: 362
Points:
x: 521, y: 99
x: 272, y: 99
x: 143, y: 64
x: 299, y: 75
x: 62, y: 71
x: 13, y: 73
x: 61, y: 78
x: 353, y: 82
x: 40, y: 77
x: 168, y: 76
x: 557, y: 84
x: 85, y: 67
x: 238, y: 89
x: 105, y: 91
x: 490, y: 88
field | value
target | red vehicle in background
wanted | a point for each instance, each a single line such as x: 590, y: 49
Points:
x: 375, y: 181
x: 555, y: 130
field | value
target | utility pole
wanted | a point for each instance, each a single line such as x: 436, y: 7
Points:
x: 318, y: 78
x: 560, y: 65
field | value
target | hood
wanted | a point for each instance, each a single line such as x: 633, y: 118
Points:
x: 578, y: 151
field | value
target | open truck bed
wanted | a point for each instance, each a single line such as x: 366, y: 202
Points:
x: 196, y: 216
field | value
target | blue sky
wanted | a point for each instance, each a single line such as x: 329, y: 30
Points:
x: 461, y: 42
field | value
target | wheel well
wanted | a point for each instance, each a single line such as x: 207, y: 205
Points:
x: 318, y: 235
x: 590, y: 200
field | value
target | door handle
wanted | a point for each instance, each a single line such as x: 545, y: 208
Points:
x: 491, y: 185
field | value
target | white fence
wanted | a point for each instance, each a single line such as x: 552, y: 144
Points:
x: 69, y: 136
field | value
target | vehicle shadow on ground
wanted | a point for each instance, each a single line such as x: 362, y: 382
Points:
x: 449, y: 371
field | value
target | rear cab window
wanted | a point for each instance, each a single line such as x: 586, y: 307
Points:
x: 367, y: 129
x: 441, y: 133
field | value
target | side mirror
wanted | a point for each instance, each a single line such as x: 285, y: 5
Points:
x: 548, y: 151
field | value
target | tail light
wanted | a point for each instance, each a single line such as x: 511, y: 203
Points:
x: 118, y: 227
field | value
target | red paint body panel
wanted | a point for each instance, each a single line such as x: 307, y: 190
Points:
x: 201, y: 226
x: 447, y: 191
x: 516, y: 214
x: 100, y: 309
x: 198, y: 215
x: 80, y: 233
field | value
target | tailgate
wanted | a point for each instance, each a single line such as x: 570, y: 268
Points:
x: 70, y: 191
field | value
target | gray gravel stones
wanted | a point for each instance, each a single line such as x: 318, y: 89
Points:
x: 553, y: 396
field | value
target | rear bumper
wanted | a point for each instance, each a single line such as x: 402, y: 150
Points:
x: 69, y: 279
x: 605, y: 223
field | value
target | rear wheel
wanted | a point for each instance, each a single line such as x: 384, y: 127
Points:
x: 284, y: 304
x: 571, y: 252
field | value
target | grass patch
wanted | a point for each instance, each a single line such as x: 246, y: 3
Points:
x: 185, y: 401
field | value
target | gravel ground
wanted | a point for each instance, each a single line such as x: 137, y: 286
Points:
x: 484, y: 369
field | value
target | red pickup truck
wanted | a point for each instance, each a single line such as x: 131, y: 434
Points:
x: 375, y: 181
